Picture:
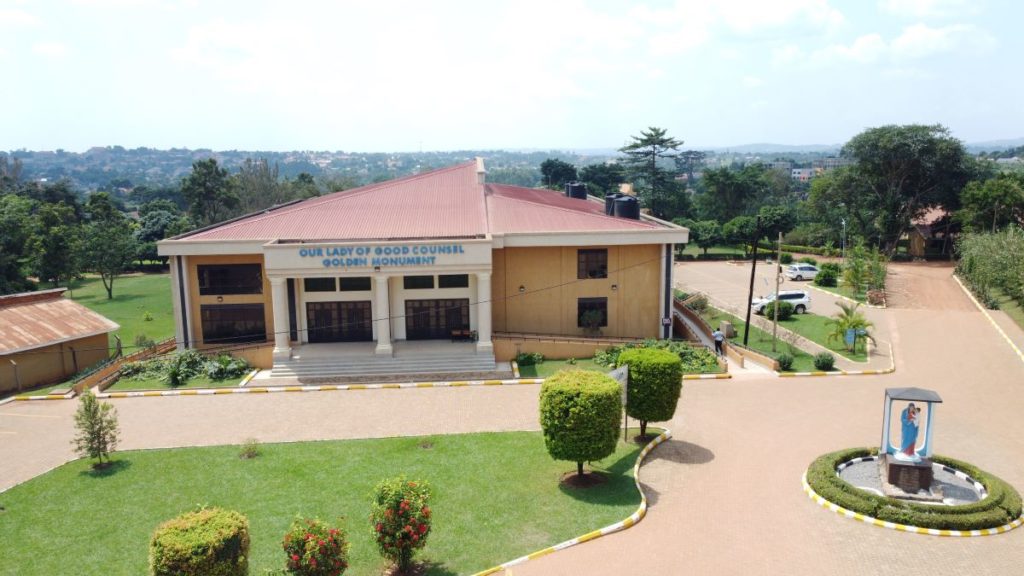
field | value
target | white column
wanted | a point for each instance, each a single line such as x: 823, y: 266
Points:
x: 279, y: 296
x: 382, y: 314
x: 177, y: 304
x: 483, y: 313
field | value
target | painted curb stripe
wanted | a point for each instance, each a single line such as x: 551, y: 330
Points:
x: 903, y: 527
x: 707, y: 376
x: 632, y: 520
x: 847, y: 298
x: 321, y: 388
x: 871, y: 372
x: 991, y: 320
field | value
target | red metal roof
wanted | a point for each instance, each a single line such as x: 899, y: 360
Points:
x: 36, y: 319
x: 446, y: 203
x: 512, y: 209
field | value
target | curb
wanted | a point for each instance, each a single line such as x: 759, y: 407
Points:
x: 889, y: 370
x: 67, y: 396
x: 252, y: 374
x: 989, y: 317
x: 903, y: 527
x: 515, y: 368
x: 847, y: 298
x: 633, y: 519
x: 320, y: 388
x: 723, y: 376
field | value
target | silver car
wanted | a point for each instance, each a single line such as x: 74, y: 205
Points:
x: 801, y: 271
x: 800, y: 299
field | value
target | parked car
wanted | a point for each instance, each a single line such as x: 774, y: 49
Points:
x: 800, y: 299
x: 801, y: 271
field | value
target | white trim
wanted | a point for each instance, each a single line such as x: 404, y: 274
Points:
x: 187, y: 247
x: 176, y: 304
x: 595, y: 238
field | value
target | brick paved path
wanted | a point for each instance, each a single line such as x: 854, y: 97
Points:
x: 725, y: 494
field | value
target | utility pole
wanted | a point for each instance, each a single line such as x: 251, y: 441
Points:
x: 753, y: 268
x: 778, y: 278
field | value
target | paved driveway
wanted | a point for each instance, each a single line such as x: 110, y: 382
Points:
x: 726, y: 496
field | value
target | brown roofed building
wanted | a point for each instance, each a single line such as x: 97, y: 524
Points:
x: 45, y: 338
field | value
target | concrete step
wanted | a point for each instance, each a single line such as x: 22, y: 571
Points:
x: 371, y: 365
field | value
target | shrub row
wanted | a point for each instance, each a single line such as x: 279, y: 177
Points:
x: 1002, y: 505
x: 820, y: 251
x: 695, y: 360
x: 184, y: 365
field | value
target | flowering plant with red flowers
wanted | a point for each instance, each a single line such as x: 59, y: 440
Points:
x: 401, y: 519
x: 315, y: 549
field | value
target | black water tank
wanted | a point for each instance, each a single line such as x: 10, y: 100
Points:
x: 627, y: 207
x: 609, y: 203
x: 576, y: 190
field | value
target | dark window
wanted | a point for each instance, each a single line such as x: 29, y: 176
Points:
x: 320, y: 284
x: 426, y: 319
x: 233, y: 323
x: 357, y: 284
x: 592, y: 264
x: 586, y: 306
x: 217, y: 279
x: 453, y: 281
x: 418, y: 282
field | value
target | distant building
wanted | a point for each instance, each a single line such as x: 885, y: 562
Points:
x: 802, y: 174
x: 45, y: 338
x: 780, y: 165
x: 830, y: 163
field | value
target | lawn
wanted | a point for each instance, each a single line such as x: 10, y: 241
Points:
x: 127, y: 384
x: 496, y: 497
x: 133, y: 296
x: 549, y: 367
x: 693, y: 250
x: 761, y: 341
x: 815, y: 328
x: 844, y: 290
x: 1012, y: 308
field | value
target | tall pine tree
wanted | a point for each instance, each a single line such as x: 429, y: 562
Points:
x: 655, y: 183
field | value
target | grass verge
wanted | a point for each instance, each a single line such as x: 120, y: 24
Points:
x: 496, y: 497
x: 127, y: 384
x: 549, y: 367
x: 761, y: 341
x: 134, y: 296
x: 1012, y: 308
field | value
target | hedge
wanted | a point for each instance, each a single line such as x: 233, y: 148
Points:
x: 655, y: 380
x: 207, y: 542
x: 1002, y: 505
x: 580, y: 412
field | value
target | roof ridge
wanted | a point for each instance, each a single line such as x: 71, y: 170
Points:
x: 552, y: 206
x: 339, y: 195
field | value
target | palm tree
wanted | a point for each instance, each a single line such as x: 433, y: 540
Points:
x: 849, y: 318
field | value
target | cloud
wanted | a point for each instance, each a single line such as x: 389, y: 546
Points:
x: 752, y: 81
x: 921, y: 41
x: 50, y: 49
x: 864, y: 50
x: 14, y: 18
x: 928, y: 8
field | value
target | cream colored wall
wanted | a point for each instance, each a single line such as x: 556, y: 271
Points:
x: 549, y: 303
x: 52, y: 364
x: 195, y: 300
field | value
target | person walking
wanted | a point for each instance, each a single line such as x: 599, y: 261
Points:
x: 719, y: 338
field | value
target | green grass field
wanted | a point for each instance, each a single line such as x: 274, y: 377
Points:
x: 844, y: 290
x: 133, y: 296
x: 1012, y: 308
x: 496, y: 497
x: 693, y: 250
x: 127, y: 384
x: 549, y: 367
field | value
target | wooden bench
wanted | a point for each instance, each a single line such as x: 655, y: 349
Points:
x: 463, y: 335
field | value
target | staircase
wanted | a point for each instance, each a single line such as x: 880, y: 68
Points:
x: 381, y: 368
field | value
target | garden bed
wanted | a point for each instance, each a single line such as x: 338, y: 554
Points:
x: 485, y: 512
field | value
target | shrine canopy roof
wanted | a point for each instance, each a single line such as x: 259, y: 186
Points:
x: 913, y: 394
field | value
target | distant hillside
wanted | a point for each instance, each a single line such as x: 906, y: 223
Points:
x: 766, y: 148
x: 994, y: 145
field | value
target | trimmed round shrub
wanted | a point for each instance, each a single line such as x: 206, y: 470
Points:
x: 401, y: 519
x: 785, y: 362
x: 655, y: 380
x: 580, y: 411
x: 207, y: 542
x: 826, y: 277
x: 824, y: 361
x: 833, y: 267
x: 315, y: 549
x: 785, y: 310
x: 809, y: 260
x: 785, y: 258
x: 1002, y: 505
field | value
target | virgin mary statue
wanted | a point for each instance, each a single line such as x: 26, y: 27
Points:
x: 908, y: 444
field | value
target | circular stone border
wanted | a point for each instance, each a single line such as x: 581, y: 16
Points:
x: 978, y: 486
x: 904, y: 527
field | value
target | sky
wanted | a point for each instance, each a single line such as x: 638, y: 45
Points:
x: 548, y: 74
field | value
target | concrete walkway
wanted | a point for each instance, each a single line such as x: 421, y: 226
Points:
x: 725, y: 492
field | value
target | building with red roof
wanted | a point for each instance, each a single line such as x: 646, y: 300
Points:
x: 441, y: 255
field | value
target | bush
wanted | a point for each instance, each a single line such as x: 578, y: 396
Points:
x: 580, y: 413
x: 207, y: 542
x: 529, y: 358
x: 655, y: 380
x: 809, y: 260
x: 315, y: 549
x: 250, y: 449
x: 1002, y: 505
x: 826, y: 277
x: 97, y: 427
x: 785, y: 362
x: 785, y: 310
x: 876, y: 297
x: 696, y: 360
x: 225, y: 366
x: 401, y: 519
x: 147, y: 316
x: 785, y: 258
x: 824, y: 361
x: 142, y: 341
x: 834, y: 267
x: 698, y: 304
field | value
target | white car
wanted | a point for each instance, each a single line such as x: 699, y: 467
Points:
x: 801, y: 271
x: 800, y: 299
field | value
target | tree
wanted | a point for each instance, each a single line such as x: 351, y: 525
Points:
x: 100, y: 206
x: 55, y: 247
x: 992, y: 204
x: 209, y: 192
x: 706, y: 233
x: 110, y: 247
x: 603, y: 178
x: 153, y: 227
x: 15, y: 232
x: 728, y: 193
x: 304, y: 186
x: 97, y: 427
x: 776, y: 219
x: 741, y: 230
x: 688, y: 161
x: 556, y: 173
x: 580, y: 413
x: 849, y: 318
x: 838, y: 195
x: 159, y: 204
x: 655, y: 380
x: 906, y: 170
x: 656, y: 183
x: 258, y: 186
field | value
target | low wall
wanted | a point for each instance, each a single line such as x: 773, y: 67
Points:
x: 51, y: 364
x: 507, y: 347
x: 756, y: 357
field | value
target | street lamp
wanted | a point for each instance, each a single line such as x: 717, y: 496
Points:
x: 844, y: 239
